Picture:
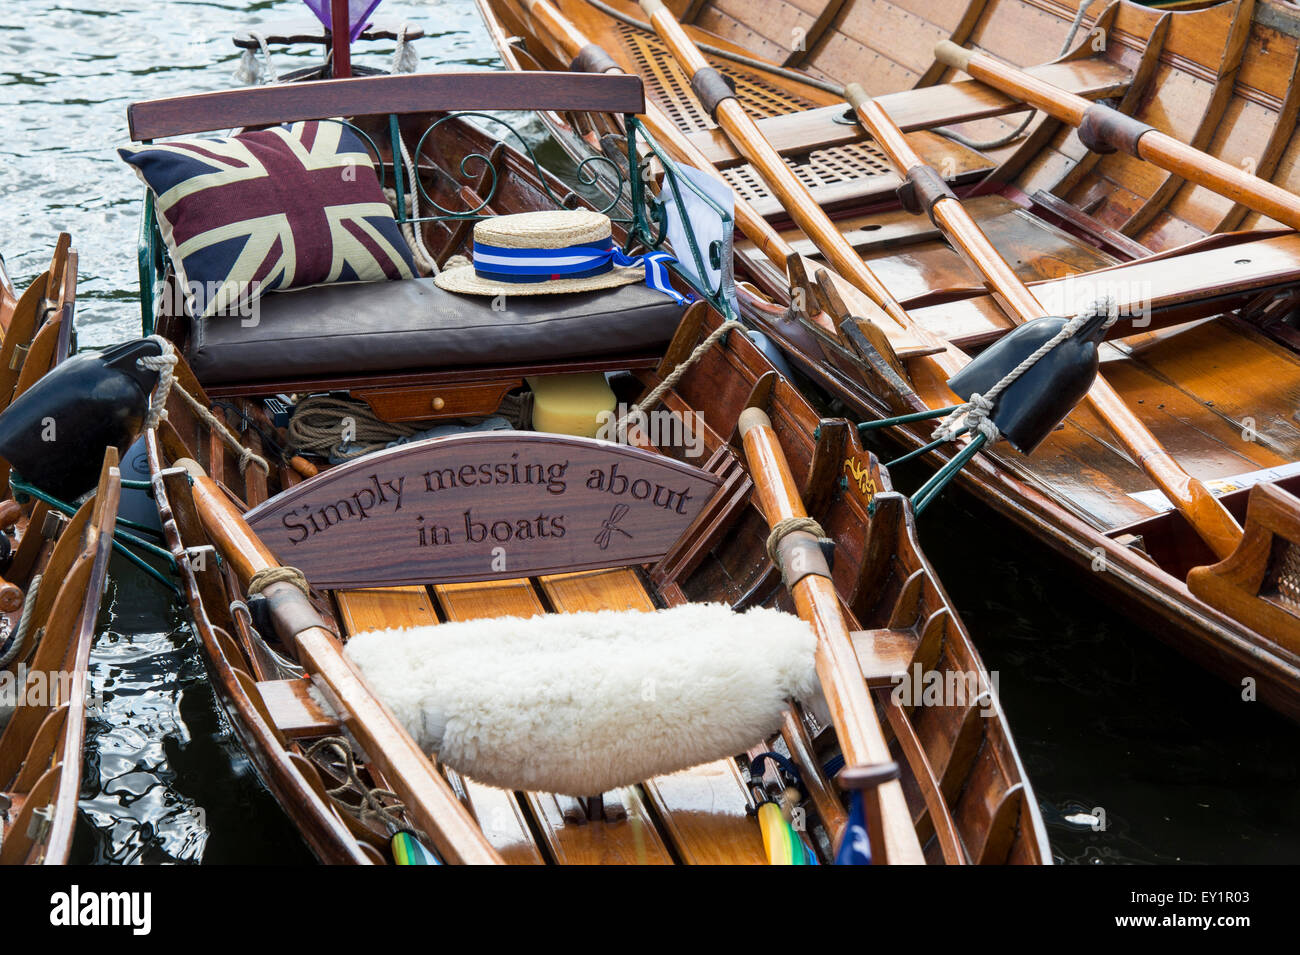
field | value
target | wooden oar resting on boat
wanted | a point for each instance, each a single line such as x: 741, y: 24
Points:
x: 720, y: 101
x: 931, y: 195
x: 1105, y: 129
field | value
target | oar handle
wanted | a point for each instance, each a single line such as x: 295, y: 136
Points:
x: 11, y: 597
x: 816, y: 601
x: 1106, y: 129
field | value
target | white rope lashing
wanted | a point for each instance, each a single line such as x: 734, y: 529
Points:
x: 165, y: 365
x: 253, y: 73
x: 405, y: 59
x: 974, y: 414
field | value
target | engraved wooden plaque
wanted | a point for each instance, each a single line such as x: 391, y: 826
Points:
x: 482, y: 506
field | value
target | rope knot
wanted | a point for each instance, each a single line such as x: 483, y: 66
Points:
x: 278, y: 575
x: 791, y: 525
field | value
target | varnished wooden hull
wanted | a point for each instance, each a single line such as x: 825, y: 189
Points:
x: 968, y: 793
x: 1058, y: 213
x: 65, y: 557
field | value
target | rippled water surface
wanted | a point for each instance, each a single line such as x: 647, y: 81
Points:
x: 1110, y: 723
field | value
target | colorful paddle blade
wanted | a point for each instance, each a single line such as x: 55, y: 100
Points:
x: 358, y: 14
x: 407, y: 850
x: 855, y: 846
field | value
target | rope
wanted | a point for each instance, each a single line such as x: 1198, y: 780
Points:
x: 976, y: 411
x: 374, y: 802
x: 165, y: 365
x: 252, y: 73
x: 424, y: 259
x: 791, y: 525
x: 405, y: 59
x: 317, y: 428
x: 278, y: 575
x: 24, y: 621
x: 1011, y: 137
x: 650, y: 400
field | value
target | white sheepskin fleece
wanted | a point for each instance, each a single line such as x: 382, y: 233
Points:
x: 582, y: 703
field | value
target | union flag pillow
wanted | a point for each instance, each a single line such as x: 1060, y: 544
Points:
x: 278, y: 208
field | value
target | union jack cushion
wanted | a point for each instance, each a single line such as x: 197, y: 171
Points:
x: 278, y: 208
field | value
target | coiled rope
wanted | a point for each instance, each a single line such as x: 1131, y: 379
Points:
x: 373, y: 802
x: 974, y: 414
x: 165, y: 365
x: 339, y: 429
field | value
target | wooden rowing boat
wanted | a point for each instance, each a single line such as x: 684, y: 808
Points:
x: 1203, y: 369
x: 888, y: 636
x: 55, y: 572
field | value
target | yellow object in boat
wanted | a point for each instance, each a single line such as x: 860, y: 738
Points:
x: 571, y: 404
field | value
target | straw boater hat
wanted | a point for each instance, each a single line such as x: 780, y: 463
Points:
x: 540, y: 253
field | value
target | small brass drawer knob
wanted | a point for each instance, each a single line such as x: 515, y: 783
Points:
x: 438, y: 403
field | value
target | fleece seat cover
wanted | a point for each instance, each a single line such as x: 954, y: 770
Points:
x: 414, y: 325
x: 583, y: 703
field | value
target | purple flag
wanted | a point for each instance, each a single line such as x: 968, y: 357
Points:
x: 358, y: 14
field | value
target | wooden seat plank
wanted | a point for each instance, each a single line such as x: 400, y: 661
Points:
x: 498, y: 812
x: 704, y: 809
x: 293, y: 710
x: 633, y: 840
x: 913, y: 109
x: 884, y: 656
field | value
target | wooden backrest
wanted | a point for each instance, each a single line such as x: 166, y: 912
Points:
x: 1259, y: 583
x: 378, y: 95
x: 482, y: 506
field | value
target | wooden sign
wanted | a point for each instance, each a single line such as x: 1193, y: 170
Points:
x: 481, y: 506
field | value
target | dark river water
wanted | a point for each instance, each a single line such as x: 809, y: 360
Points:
x: 1111, y: 724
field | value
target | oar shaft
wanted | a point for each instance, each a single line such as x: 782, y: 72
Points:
x: 785, y: 185
x: 1119, y: 131
x: 427, y: 797
x: 755, y: 228
x: 1211, y: 520
x: 816, y: 602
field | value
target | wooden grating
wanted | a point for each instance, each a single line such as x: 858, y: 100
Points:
x: 667, y: 86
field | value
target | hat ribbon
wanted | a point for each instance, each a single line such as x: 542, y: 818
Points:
x: 530, y: 266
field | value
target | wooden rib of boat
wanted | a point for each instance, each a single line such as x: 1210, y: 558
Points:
x: 64, y: 557
x: 961, y: 795
x: 1208, y: 368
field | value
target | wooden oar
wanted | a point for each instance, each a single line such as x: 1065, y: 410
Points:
x: 426, y: 795
x: 1201, y: 508
x: 717, y: 98
x: 755, y: 228
x: 816, y: 601
x: 1107, y: 128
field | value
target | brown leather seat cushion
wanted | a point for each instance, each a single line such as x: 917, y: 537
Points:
x: 414, y: 325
